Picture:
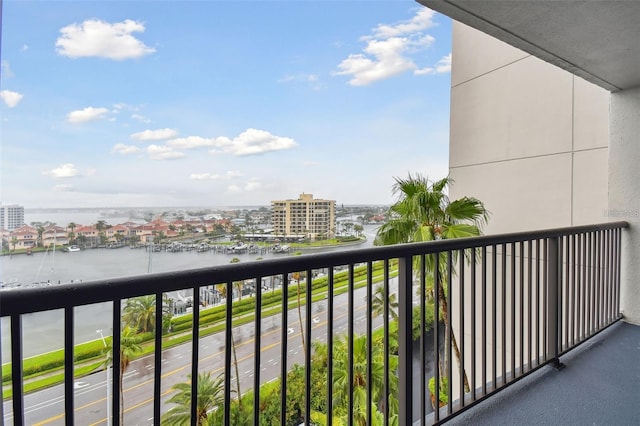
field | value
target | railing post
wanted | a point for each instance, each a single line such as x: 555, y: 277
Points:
x: 553, y: 305
x: 405, y: 340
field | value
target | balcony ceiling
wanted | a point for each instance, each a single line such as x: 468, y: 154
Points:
x: 596, y: 40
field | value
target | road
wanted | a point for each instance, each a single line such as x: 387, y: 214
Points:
x: 46, y: 407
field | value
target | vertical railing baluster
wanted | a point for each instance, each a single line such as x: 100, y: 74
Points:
x: 386, y: 340
x: 592, y: 280
x: 1, y: 363
x: 405, y: 341
x: 473, y: 323
x: 228, y: 347
x: 157, y: 358
x: 370, y: 401
x: 521, y: 300
x: 17, y: 387
x: 449, y: 333
x: 283, y: 349
x: 494, y: 319
x: 564, y: 319
x: 584, y: 286
x: 422, y: 292
x: 68, y: 366
x: 483, y: 307
x: 195, y: 350
x: 461, y: 307
x: 545, y: 299
x: 553, y: 304
x: 350, y: 332
x: 538, y: 319
x: 619, y: 269
x: 257, y: 352
x: 513, y: 311
x: 503, y: 300
x: 529, y: 302
x: 307, y: 353
x: 330, y: 345
x: 573, y: 304
x: 436, y: 346
x: 607, y: 277
x: 115, y: 359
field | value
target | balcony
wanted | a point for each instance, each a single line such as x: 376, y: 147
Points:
x: 516, y: 307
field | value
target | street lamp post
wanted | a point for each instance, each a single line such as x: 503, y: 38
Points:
x: 108, y: 381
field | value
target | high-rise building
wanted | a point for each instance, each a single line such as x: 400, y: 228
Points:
x: 11, y: 217
x: 305, y: 217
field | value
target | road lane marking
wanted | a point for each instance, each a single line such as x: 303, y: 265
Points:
x: 263, y: 349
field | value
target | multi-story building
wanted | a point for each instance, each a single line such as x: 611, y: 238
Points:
x: 305, y: 217
x: 11, y: 217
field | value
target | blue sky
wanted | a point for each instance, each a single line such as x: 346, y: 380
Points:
x: 219, y: 103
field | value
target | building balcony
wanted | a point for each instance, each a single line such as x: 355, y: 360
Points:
x: 358, y: 336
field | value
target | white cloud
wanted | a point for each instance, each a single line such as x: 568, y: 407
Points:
x: 87, y: 114
x: 140, y: 118
x: 6, y: 69
x: 154, y: 135
x: 443, y: 66
x: 95, y: 38
x: 157, y: 152
x: 191, y: 142
x: 63, y: 188
x: 66, y: 170
x: 421, y: 21
x: 388, y: 51
x: 125, y: 149
x: 312, y: 80
x: 382, y: 59
x: 253, y: 185
x: 11, y: 99
x: 231, y: 174
x: 234, y: 189
x: 204, y: 176
x: 252, y: 142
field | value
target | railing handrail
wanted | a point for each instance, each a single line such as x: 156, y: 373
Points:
x: 21, y: 301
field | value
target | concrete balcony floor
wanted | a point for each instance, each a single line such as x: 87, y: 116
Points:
x: 599, y: 385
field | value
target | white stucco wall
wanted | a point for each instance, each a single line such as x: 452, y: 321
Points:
x: 624, y: 193
x: 527, y: 138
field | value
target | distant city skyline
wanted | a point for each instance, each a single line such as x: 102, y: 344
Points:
x: 173, y: 104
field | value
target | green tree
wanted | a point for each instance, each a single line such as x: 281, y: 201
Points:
x: 378, y: 302
x: 359, y: 380
x: 297, y: 276
x: 139, y: 313
x: 134, y: 239
x: 424, y: 213
x: 40, y: 229
x: 129, y: 347
x: 239, y: 285
x: 210, y: 395
x: 14, y: 243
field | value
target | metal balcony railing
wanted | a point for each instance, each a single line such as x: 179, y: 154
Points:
x: 499, y: 307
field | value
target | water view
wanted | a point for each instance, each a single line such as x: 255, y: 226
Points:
x: 94, y: 264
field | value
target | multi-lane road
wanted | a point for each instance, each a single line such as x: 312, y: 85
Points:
x: 46, y: 407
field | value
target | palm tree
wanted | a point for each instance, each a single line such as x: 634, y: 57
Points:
x: 14, y: 243
x: 296, y: 276
x: 129, y: 347
x: 423, y: 213
x: 210, y: 395
x: 378, y: 302
x: 239, y: 285
x: 71, y: 227
x: 140, y: 313
x: 359, y: 380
